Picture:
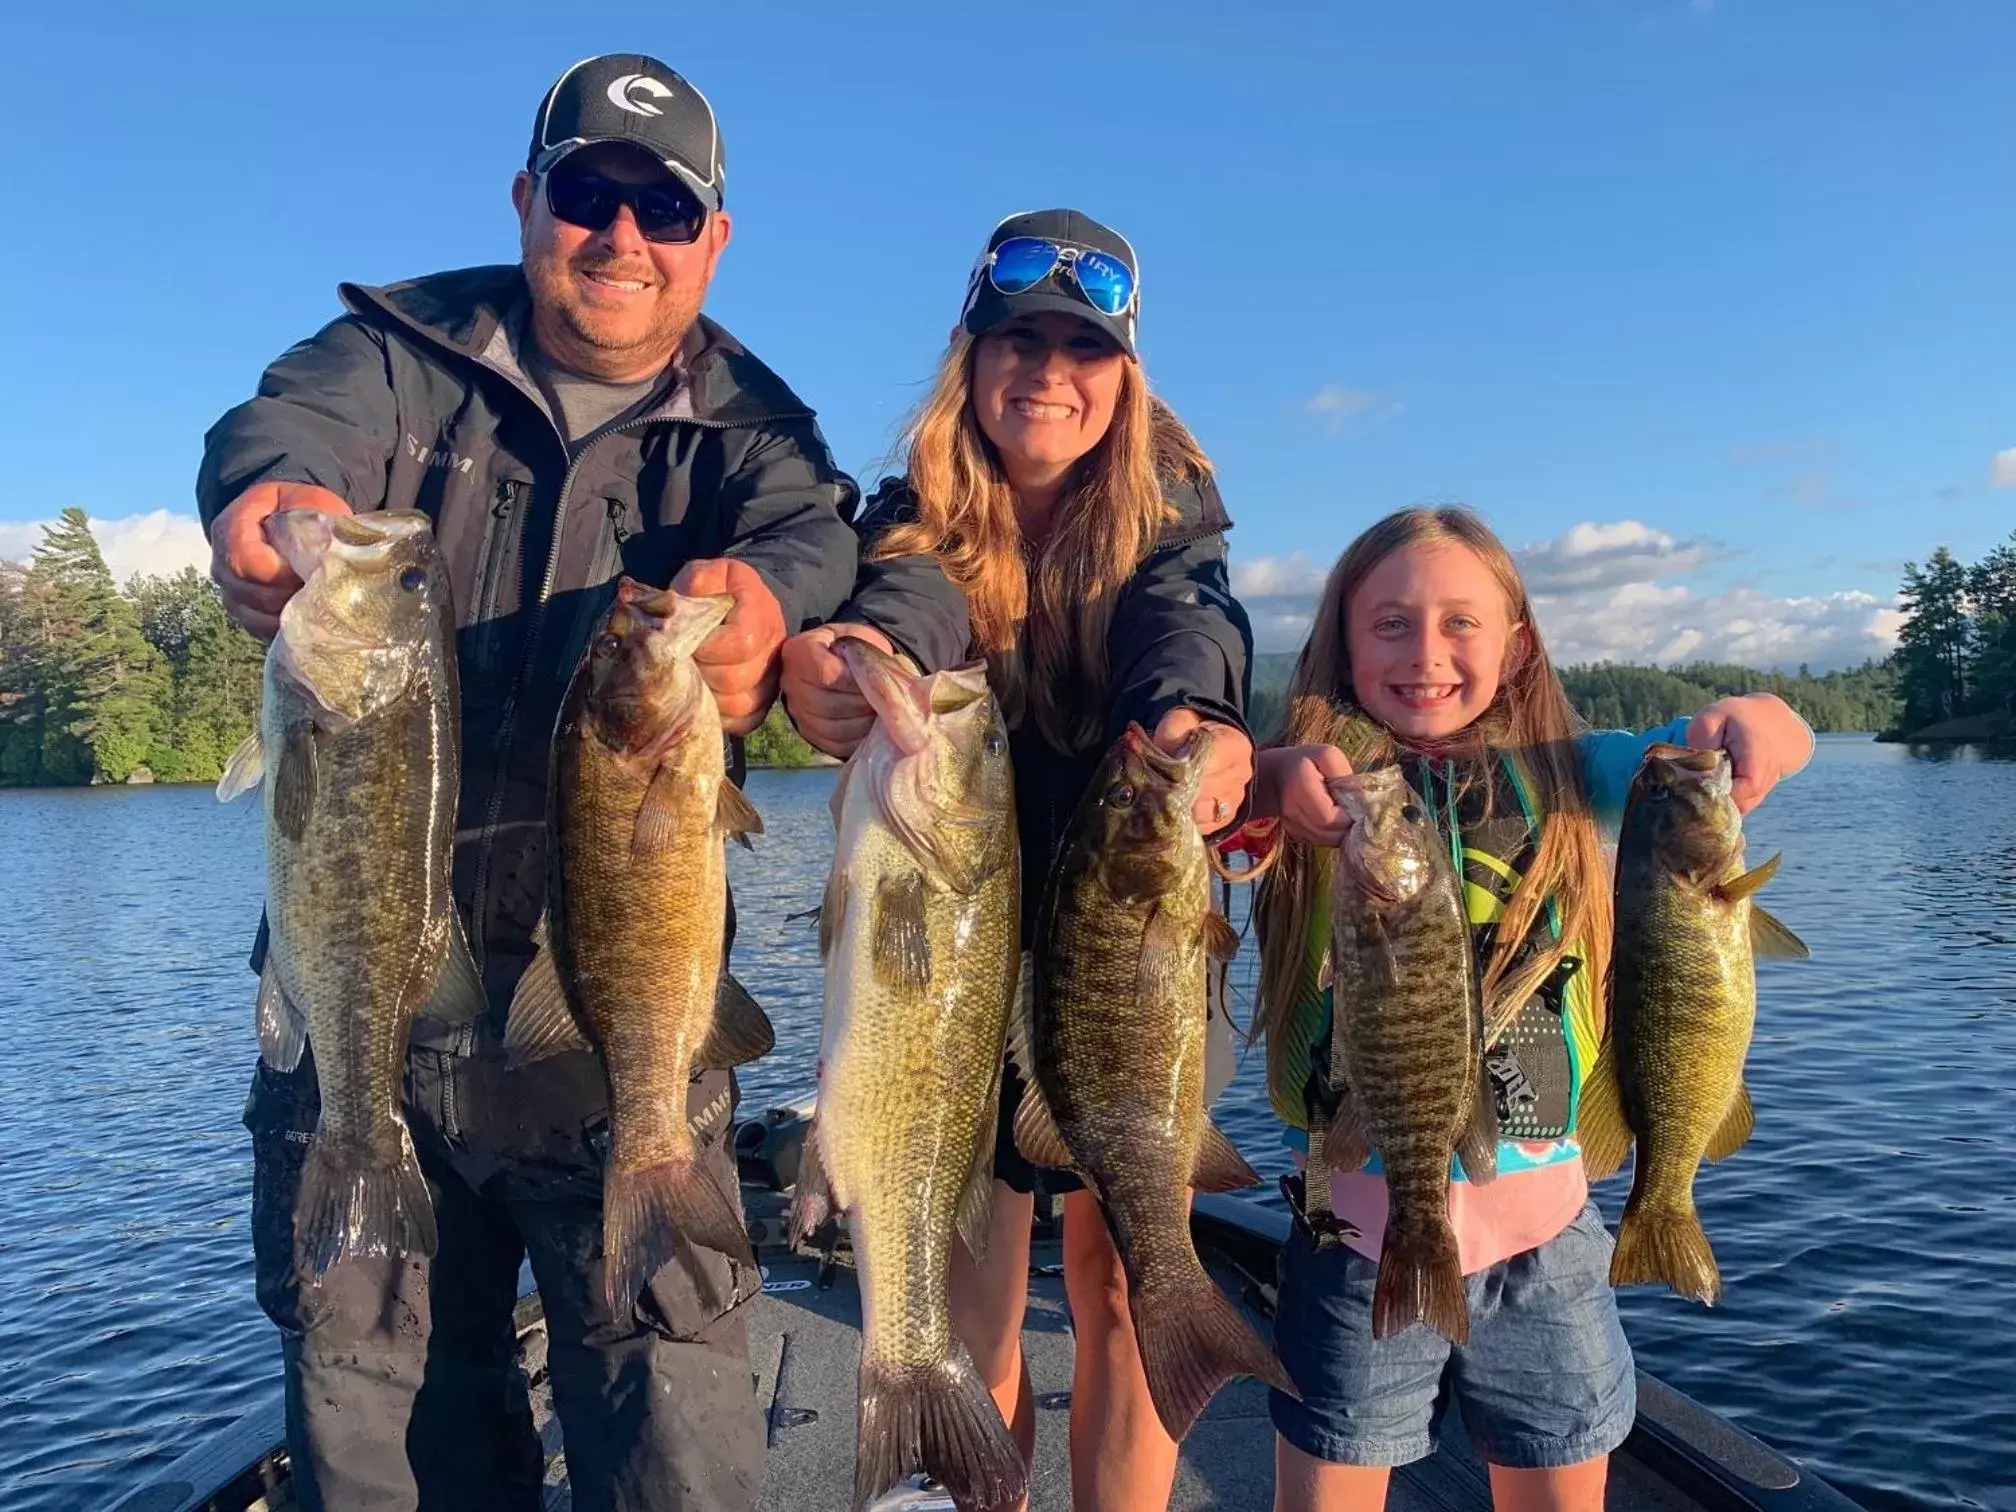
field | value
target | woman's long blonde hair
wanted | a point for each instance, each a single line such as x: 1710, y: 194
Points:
x: 1531, y: 721
x: 1041, y: 609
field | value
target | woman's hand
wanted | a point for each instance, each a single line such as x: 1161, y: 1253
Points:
x: 1293, y: 784
x: 1765, y: 740
x: 1229, y: 768
x: 819, y: 691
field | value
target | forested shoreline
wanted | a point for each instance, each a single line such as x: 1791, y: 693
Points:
x: 104, y: 684
x: 149, y: 682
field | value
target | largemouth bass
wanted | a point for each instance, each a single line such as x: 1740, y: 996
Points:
x: 1113, y: 1049
x: 921, y: 938
x: 639, y: 808
x: 1406, y: 1046
x: 1683, y: 1002
x: 358, y: 748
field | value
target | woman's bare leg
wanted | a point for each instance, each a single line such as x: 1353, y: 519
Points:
x: 1121, y: 1460
x: 987, y: 1304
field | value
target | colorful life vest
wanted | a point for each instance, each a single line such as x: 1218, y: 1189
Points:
x: 1537, y: 1066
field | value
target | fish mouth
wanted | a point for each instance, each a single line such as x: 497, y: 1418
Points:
x: 901, y: 700
x: 1169, y: 766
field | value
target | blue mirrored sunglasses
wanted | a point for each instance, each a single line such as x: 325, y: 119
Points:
x: 1022, y: 262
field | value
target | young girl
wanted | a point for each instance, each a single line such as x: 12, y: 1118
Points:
x: 1425, y: 649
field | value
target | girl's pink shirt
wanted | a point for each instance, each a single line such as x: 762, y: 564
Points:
x: 1519, y: 1211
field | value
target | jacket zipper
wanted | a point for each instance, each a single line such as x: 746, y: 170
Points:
x: 507, y: 723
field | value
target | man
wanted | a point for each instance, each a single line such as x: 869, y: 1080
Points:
x: 563, y: 420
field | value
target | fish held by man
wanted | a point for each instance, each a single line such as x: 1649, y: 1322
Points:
x: 1683, y: 1004
x: 1407, y: 1047
x: 921, y: 939
x: 1112, y: 1045
x: 639, y: 810
x: 358, y: 752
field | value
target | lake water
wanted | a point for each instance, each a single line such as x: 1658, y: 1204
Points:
x: 1867, y: 1234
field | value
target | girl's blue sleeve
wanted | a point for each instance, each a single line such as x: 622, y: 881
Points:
x: 1610, y: 760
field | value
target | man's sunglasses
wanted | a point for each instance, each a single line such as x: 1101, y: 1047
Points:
x: 667, y: 212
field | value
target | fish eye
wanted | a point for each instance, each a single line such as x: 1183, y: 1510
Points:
x: 606, y: 644
x: 994, y: 745
x: 1660, y: 793
x: 411, y: 579
x: 1411, y: 814
x: 1120, y: 796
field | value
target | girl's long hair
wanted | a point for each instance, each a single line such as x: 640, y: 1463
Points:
x: 1041, y: 610
x: 1531, y: 721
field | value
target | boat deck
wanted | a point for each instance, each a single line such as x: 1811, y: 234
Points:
x: 804, y: 1351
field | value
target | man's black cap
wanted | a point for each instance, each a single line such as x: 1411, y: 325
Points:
x: 627, y: 97
x: 987, y: 306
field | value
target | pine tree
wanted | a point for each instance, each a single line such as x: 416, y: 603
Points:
x: 1991, y: 586
x: 102, y: 685
x: 1933, y: 645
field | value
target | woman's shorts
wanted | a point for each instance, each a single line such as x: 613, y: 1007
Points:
x: 1545, y: 1381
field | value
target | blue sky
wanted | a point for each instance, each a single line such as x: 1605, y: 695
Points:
x: 1706, y: 305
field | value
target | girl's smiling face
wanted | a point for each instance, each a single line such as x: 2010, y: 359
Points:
x: 1429, y: 634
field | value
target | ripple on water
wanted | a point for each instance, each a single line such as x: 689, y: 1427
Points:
x: 1866, y: 1238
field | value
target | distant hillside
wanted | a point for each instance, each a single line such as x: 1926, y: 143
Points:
x: 1618, y: 695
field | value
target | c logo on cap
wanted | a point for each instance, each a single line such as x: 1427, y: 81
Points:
x: 623, y: 93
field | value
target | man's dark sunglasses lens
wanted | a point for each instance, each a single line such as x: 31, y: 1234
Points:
x: 664, y: 212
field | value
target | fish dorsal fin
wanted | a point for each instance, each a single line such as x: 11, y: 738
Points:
x: 812, y: 1198
x: 742, y: 1031
x: 1742, y: 886
x: 832, y: 911
x: 283, y: 1031
x: 976, y: 1203
x: 1737, y: 1126
x: 1219, y: 1166
x: 1021, y: 1021
x: 665, y: 812
x: 1599, y: 1120
x: 1770, y: 940
x: 1165, y: 954
x: 1478, y: 1146
x: 244, y: 770
x: 1345, y: 1145
x: 458, y: 996
x: 294, y: 780
x: 901, y: 947
x: 1220, y: 938
x: 1036, y: 1133
x: 540, y: 1022
x: 735, y: 816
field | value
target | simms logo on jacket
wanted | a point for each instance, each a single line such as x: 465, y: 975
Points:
x: 438, y: 456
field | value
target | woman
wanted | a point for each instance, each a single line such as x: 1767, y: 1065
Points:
x: 1079, y: 546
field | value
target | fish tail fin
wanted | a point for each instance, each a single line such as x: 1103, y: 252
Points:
x: 346, y: 1207
x: 1666, y: 1244
x: 1420, y: 1281
x: 940, y: 1419
x: 1192, y: 1341
x: 646, y: 1213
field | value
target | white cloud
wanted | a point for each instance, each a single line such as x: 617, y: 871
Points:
x: 1267, y: 575
x: 1620, y: 590
x: 159, y: 542
x: 2002, y: 471
x: 1745, y: 625
x: 1339, y: 407
x: 1594, y: 556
